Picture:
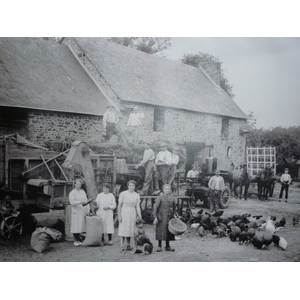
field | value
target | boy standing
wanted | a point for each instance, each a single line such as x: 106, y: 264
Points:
x: 285, y: 182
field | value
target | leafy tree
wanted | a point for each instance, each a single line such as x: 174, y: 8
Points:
x: 251, y: 121
x: 149, y: 45
x: 204, y: 60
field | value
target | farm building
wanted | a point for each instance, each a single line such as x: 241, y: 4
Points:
x: 57, y: 92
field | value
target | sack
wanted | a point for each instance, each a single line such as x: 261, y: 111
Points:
x: 40, y: 240
x: 55, y: 235
x: 42, y: 237
x: 94, y: 231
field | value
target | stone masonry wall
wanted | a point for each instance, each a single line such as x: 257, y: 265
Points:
x: 181, y: 127
x: 52, y: 126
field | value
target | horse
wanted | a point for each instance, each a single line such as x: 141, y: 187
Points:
x: 265, y: 180
x: 239, y: 178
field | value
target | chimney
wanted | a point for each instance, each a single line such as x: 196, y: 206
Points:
x: 213, y: 70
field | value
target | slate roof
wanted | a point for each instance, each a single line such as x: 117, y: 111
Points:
x: 140, y: 77
x: 43, y: 75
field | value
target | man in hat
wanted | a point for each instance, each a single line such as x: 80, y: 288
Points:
x: 110, y: 119
x: 173, y: 165
x: 134, y: 122
x: 161, y: 168
x: 147, y: 163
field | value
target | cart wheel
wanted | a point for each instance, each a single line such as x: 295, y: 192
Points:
x: 225, y: 197
x: 11, y: 227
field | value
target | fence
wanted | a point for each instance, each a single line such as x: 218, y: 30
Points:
x: 259, y: 157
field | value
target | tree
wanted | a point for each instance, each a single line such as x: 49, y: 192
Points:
x: 149, y: 45
x: 285, y: 140
x: 251, y: 121
x: 205, y: 60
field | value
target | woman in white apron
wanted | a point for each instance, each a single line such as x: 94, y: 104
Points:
x: 80, y: 209
x: 106, y: 203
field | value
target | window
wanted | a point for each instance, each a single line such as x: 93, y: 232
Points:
x: 225, y: 125
x: 159, y: 119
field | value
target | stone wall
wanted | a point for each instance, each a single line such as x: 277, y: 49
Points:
x: 180, y: 127
x: 52, y: 126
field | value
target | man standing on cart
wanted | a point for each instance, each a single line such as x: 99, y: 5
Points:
x: 161, y: 168
x: 148, y: 163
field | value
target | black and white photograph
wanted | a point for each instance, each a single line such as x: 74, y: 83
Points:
x: 104, y: 140
x: 182, y: 148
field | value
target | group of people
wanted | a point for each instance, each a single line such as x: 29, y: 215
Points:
x: 129, y: 215
x: 111, y: 123
x: 159, y: 169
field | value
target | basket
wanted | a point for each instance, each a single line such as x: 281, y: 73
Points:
x: 176, y: 226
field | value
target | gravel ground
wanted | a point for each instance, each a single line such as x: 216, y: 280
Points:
x: 191, y: 248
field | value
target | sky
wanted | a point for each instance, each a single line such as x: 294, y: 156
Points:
x: 264, y: 72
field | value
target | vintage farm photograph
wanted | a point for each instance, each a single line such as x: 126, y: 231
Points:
x: 149, y: 149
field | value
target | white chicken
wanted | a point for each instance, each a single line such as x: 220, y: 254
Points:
x: 282, y: 243
x: 270, y: 226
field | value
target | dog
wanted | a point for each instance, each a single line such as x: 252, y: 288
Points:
x: 142, y: 243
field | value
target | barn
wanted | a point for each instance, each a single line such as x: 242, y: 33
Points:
x: 59, y: 92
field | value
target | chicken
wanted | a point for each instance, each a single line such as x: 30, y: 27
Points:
x: 232, y: 236
x: 282, y: 222
x: 243, y: 238
x: 257, y: 217
x: 224, y: 220
x: 236, y: 217
x: 244, y: 227
x: 295, y: 221
x: 201, y: 231
x: 257, y: 242
x: 218, y: 231
x: 213, y: 224
x: 238, y: 222
x: 252, y: 224
x: 282, y: 243
x: 276, y: 239
x: 251, y: 233
x: 246, y: 215
x: 200, y: 212
x: 267, y: 240
x: 218, y: 213
x: 270, y: 225
x: 236, y: 230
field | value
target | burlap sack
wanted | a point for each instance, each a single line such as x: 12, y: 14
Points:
x: 94, y: 231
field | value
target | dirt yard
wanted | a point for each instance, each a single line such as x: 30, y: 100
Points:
x: 191, y: 248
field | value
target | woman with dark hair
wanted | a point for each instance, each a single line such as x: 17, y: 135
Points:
x: 80, y: 209
x: 105, y: 204
x: 128, y: 212
x: 164, y: 210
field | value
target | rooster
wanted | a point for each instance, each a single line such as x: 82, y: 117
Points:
x: 282, y: 222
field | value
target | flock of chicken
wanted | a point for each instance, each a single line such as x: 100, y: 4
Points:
x: 242, y: 228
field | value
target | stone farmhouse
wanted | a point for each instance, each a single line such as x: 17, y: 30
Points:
x: 57, y: 92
